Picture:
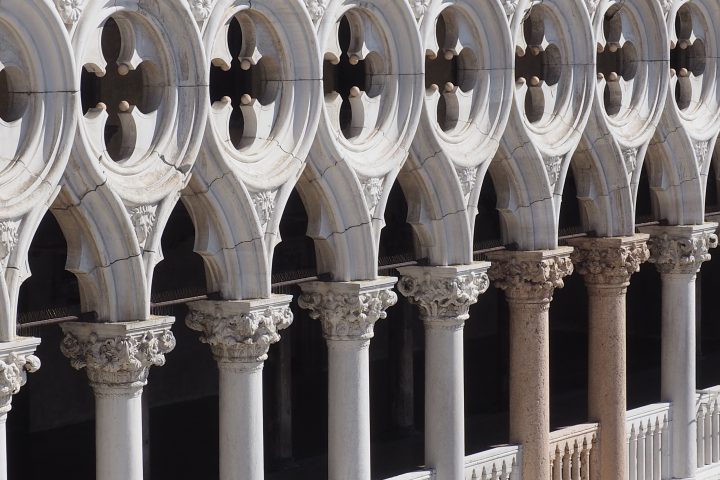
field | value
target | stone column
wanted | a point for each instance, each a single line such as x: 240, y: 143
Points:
x: 348, y: 312
x: 239, y: 334
x: 529, y: 279
x: 607, y: 264
x: 16, y: 360
x: 117, y: 358
x: 678, y: 252
x: 444, y: 296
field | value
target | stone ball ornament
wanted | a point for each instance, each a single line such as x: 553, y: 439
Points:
x: 37, y: 124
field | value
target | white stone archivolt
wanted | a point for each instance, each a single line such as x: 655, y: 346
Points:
x: 265, y: 89
x: 691, y: 120
x: 469, y: 88
x: 555, y: 79
x: 143, y: 76
x: 37, y: 124
x: 373, y: 93
x: 632, y: 81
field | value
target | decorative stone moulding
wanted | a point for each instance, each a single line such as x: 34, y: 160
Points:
x: 630, y: 94
x: 554, y: 85
x: 265, y: 92
x: 143, y: 74
x: 469, y: 88
x: 688, y: 129
x: 37, y: 124
x: 373, y: 84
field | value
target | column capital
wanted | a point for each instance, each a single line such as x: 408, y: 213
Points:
x: 240, y: 331
x: 609, y: 261
x: 530, y: 276
x: 681, y: 249
x: 348, y: 310
x: 16, y: 360
x: 118, y: 355
x: 444, y: 293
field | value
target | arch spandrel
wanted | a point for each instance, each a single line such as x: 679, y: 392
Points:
x: 373, y: 92
x: 265, y: 93
x: 468, y: 93
x: 555, y: 79
x: 691, y: 120
x: 37, y: 124
x: 630, y: 95
x: 143, y: 105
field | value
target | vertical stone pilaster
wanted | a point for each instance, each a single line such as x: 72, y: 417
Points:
x: 444, y: 296
x: 529, y: 280
x: 678, y: 252
x: 607, y: 264
x: 117, y: 358
x: 348, y: 312
x: 239, y: 334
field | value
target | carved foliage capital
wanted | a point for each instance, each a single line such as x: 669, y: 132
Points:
x: 347, y: 314
x: 14, y: 368
x: 117, y: 360
x: 235, y: 336
x: 443, y: 298
x: 530, y: 276
x: 609, y: 264
x: 681, y: 254
x: 70, y: 10
x: 316, y: 8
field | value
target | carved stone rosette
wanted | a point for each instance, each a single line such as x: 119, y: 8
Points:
x: 118, y: 355
x: 609, y: 261
x: 530, y: 276
x: 681, y: 249
x: 444, y: 294
x: 16, y: 360
x: 348, y: 310
x: 240, y: 330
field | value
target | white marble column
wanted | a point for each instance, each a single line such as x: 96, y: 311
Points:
x: 239, y: 334
x: 678, y: 253
x: 16, y: 360
x: 444, y: 296
x: 117, y: 358
x: 529, y: 280
x: 607, y: 264
x: 348, y: 312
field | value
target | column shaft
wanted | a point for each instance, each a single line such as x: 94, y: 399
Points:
x: 118, y: 433
x: 348, y: 409
x: 530, y: 386
x: 678, y: 369
x: 607, y: 377
x: 444, y: 400
x: 241, y: 421
x: 3, y: 448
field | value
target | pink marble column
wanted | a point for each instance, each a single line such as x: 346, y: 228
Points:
x: 529, y: 280
x: 607, y: 264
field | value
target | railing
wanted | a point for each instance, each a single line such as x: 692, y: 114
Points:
x: 422, y: 475
x: 501, y: 463
x: 648, y: 431
x: 572, y: 453
x: 708, y: 427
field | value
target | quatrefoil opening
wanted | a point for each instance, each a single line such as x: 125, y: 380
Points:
x: 121, y: 93
x: 450, y: 73
x: 537, y: 67
x: 617, y: 63
x: 687, y: 59
x: 245, y: 80
x: 353, y: 73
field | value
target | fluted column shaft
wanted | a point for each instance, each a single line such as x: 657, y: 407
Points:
x: 678, y: 253
x: 16, y: 360
x: 239, y: 334
x: 348, y: 312
x: 117, y: 358
x: 444, y: 296
x: 529, y: 279
x: 607, y: 264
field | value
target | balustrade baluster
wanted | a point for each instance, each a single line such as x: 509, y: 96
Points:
x: 557, y: 465
x: 483, y: 475
x: 657, y: 451
x: 566, y: 463
x: 594, y: 464
x: 649, y: 449
x: 632, y: 454
x: 575, y: 462
x: 504, y: 475
x: 494, y: 473
x: 716, y: 432
x: 514, y: 475
x: 585, y: 460
x: 665, y: 446
x: 701, y: 436
x: 708, y: 433
x: 641, y: 453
